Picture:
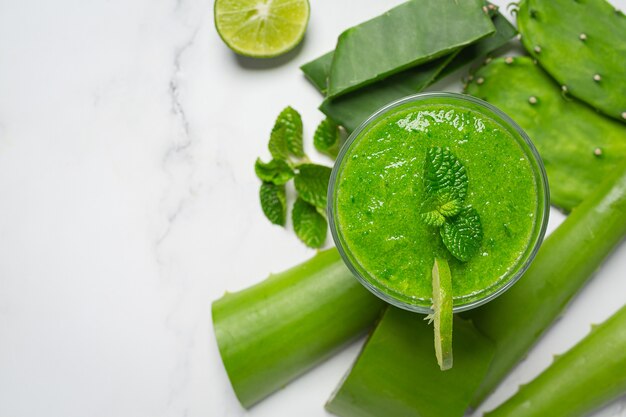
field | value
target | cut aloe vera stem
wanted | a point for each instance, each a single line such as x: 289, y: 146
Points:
x: 581, y: 380
x: 272, y: 332
x: 365, y: 53
x: 578, y: 146
x: 351, y: 109
x: 396, y: 374
x: 566, y: 260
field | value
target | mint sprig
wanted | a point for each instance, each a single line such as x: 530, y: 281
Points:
x: 310, y: 180
x: 446, y: 183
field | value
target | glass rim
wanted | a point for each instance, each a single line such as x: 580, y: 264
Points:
x: 539, y: 228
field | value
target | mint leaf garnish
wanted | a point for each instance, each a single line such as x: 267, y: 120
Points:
x: 278, y: 143
x: 463, y: 234
x: 289, y: 123
x: 327, y: 138
x: 274, y: 202
x: 309, y: 225
x: 446, y: 183
x: 275, y: 171
x: 311, y: 183
x: 444, y: 173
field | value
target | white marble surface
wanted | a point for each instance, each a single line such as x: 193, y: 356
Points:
x: 128, y: 133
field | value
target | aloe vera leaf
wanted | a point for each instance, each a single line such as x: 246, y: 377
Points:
x: 580, y: 44
x: 272, y: 332
x: 317, y: 71
x: 578, y: 146
x: 505, y: 31
x: 351, y: 109
x: 402, y: 38
x: 566, y: 260
x: 581, y: 380
x: 396, y: 374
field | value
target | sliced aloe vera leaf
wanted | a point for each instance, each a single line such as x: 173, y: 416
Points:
x: 396, y: 374
x: 351, y: 109
x: 442, y: 313
x: 579, y: 147
x: 410, y: 34
x: 272, y: 332
x: 579, y: 381
x: 317, y: 71
x: 517, y: 318
x: 505, y: 31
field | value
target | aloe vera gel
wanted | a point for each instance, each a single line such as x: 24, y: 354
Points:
x: 438, y: 175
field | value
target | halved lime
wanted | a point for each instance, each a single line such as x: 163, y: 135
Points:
x: 261, y: 28
x: 442, y: 313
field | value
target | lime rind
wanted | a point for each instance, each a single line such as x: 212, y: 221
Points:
x: 261, y: 28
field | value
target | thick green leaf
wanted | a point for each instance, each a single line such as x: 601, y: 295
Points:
x: 396, y: 374
x: 327, y: 138
x: 312, y: 184
x: 505, y: 31
x: 578, y: 146
x: 317, y: 71
x: 365, y: 54
x: 351, y: 109
x: 273, y: 331
x: 275, y: 171
x: 463, y: 234
x: 581, y: 45
x: 309, y: 225
x: 581, y: 380
x: 274, y: 202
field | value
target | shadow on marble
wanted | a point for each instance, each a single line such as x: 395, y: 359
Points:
x: 269, y: 63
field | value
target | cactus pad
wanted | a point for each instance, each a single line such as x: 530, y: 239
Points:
x: 579, y: 147
x: 581, y: 44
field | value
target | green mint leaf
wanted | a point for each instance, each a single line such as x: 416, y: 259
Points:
x: 274, y: 202
x: 433, y: 218
x: 436, y: 209
x: 463, y: 234
x: 311, y: 183
x: 327, y: 138
x: 291, y: 123
x: 275, y: 171
x: 444, y: 174
x: 278, y: 143
x: 309, y: 225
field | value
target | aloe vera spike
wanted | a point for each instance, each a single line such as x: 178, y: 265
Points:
x: 581, y: 380
x: 272, y: 332
x: 364, y: 54
x: 578, y: 145
x: 566, y: 260
x: 396, y: 373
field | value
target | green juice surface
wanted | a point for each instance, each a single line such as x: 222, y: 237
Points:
x: 379, y: 189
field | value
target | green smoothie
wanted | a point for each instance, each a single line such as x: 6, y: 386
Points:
x: 378, y: 199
